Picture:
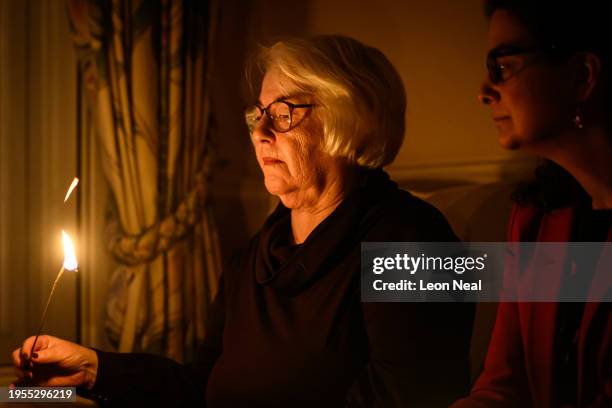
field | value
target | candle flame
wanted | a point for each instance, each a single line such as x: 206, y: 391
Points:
x: 73, y: 185
x: 70, y: 262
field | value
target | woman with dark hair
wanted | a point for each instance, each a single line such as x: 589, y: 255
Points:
x: 548, y: 89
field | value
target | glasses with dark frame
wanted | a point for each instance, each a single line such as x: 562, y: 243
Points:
x: 500, y: 72
x: 279, y: 113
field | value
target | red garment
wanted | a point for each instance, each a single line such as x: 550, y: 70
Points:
x: 518, y: 369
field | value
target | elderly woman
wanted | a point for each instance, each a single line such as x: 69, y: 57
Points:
x: 329, y: 116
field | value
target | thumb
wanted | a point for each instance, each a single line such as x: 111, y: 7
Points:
x: 41, y: 343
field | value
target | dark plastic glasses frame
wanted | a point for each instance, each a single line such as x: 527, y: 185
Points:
x: 495, y: 69
x: 252, y: 121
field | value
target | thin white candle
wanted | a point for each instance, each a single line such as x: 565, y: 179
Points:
x: 70, y: 264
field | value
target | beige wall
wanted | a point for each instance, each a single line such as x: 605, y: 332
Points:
x: 438, y: 48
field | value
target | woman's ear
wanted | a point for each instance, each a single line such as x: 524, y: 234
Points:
x: 589, y: 75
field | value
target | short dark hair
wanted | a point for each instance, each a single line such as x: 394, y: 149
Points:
x: 570, y: 25
x: 577, y: 25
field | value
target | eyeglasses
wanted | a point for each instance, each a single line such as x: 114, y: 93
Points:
x: 280, y: 114
x: 500, y: 71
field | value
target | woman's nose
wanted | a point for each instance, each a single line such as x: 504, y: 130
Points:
x: 488, y: 94
x: 262, y: 133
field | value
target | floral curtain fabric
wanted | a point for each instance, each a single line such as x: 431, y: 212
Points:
x: 145, y: 66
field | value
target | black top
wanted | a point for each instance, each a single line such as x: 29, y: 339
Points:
x: 589, y: 226
x: 296, y: 333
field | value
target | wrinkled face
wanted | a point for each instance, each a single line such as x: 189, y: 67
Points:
x: 533, y: 103
x: 292, y: 162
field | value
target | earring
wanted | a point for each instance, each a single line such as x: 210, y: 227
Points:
x: 578, y: 119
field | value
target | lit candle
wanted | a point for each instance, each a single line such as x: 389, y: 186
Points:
x: 70, y: 264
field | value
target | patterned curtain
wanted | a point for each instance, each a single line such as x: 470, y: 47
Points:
x: 144, y: 66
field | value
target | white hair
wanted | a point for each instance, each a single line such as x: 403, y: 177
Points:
x: 360, y: 97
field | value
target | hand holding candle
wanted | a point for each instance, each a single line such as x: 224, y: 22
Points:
x: 70, y: 264
x: 55, y: 363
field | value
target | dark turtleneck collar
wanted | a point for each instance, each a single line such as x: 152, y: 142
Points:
x: 291, y: 268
